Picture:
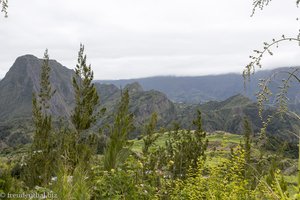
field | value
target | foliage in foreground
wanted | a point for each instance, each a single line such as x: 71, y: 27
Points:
x: 63, y: 162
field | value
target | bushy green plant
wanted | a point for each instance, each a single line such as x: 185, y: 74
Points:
x: 149, y: 136
x: 72, y: 184
x: 183, y: 149
x: 9, y: 184
x: 123, y: 183
x: 225, y: 181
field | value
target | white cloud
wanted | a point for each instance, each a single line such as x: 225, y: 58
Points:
x: 135, y: 38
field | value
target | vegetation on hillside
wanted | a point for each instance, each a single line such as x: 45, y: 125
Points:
x: 180, y: 163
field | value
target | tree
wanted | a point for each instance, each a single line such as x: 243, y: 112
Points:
x: 247, y: 140
x: 41, y: 107
x: 118, y: 146
x: 149, y: 135
x: 200, y: 138
x: 185, y: 148
x: 86, y: 102
x: 252, y: 171
x: 86, y: 97
x: 41, y: 159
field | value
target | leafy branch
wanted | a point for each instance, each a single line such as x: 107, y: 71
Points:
x: 281, y: 97
x: 4, y: 4
x: 256, y: 59
x: 260, y: 4
x: 265, y: 92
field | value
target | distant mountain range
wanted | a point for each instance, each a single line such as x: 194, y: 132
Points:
x: 174, y: 99
x: 200, y: 89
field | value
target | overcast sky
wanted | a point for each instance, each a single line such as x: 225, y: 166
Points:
x: 140, y: 38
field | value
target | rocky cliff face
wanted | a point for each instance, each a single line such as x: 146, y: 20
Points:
x: 23, y: 79
x: 142, y: 103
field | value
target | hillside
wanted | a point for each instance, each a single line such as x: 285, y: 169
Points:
x: 228, y: 116
x: 200, y: 89
x: 22, y: 80
x: 17, y: 87
x: 142, y: 104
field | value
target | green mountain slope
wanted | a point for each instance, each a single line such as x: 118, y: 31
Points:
x: 228, y: 116
x: 23, y: 79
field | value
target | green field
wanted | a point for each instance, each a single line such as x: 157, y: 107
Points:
x: 226, y: 140
x: 218, y: 150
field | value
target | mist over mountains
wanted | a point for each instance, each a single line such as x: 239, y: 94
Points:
x: 200, y: 89
x: 222, y: 100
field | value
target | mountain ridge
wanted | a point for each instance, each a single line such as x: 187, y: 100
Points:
x: 23, y: 79
x: 200, y: 89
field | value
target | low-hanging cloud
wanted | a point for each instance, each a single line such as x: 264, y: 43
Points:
x: 139, y: 38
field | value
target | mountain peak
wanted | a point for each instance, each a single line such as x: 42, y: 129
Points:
x: 27, y: 56
x: 23, y: 79
x: 134, y: 87
x: 29, y: 59
x: 25, y: 60
x: 23, y: 65
x: 236, y: 100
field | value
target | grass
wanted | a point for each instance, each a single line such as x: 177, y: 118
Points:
x: 137, y: 145
x: 292, y: 182
x: 226, y: 140
x: 13, y: 154
x: 291, y: 179
x: 220, y: 136
x: 219, y: 145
